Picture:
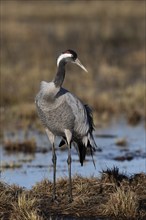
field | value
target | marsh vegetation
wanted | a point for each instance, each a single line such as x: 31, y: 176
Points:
x: 112, y: 195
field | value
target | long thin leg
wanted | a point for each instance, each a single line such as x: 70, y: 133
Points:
x: 69, y: 173
x: 54, y: 160
x: 69, y: 137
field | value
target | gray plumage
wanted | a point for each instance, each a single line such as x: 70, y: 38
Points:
x: 63, y: 111
x: 64, y: 115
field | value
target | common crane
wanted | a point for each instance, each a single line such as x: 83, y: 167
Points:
x: 64, y: 115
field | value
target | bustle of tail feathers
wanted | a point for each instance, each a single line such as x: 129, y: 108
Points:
x: 82, y: 152
x: 91, y: 128
x: 91, y: 142
x: 90, y: 118
x: 82, y: 149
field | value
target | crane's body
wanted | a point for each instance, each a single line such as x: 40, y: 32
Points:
x: 64, y: 115
x: 61, y: 111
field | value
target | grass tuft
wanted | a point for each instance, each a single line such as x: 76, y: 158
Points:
x: 26, y: 208
x: 122, y: 204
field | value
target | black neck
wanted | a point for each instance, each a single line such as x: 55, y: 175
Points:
x: 59, y: 78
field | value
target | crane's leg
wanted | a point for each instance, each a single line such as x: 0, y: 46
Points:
x: 54, y: 160
x: 69, y: 137
x: 69, y: 172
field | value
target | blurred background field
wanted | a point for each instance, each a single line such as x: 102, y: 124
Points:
x: 109, y: 37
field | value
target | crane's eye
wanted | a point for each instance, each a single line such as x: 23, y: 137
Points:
x: 74, y: 58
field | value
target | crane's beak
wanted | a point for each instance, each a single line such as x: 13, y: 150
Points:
x: 79, y: 64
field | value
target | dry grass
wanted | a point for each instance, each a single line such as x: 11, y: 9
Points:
x: 123, y: 203
x: 34, y: 33
x: 121, y: 142
x: 113, y: 195
x: 25, y: 208
x: 10, y: 165
x: 27, y: 146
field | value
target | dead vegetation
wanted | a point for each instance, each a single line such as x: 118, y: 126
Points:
x: 10, y: 165
x: 112, y: 195
x: 26, y: 146
x: 121, y: 142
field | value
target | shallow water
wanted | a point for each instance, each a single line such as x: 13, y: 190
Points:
x: 130, y: 159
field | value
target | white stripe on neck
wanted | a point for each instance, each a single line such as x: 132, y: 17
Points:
x: 63, y: 56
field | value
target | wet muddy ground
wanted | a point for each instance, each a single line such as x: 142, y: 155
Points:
x: 122, y: 146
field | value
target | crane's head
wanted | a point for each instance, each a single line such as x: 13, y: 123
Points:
x: 70, y: 56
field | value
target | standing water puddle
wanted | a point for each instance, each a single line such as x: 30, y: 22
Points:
x: 122, y: 146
